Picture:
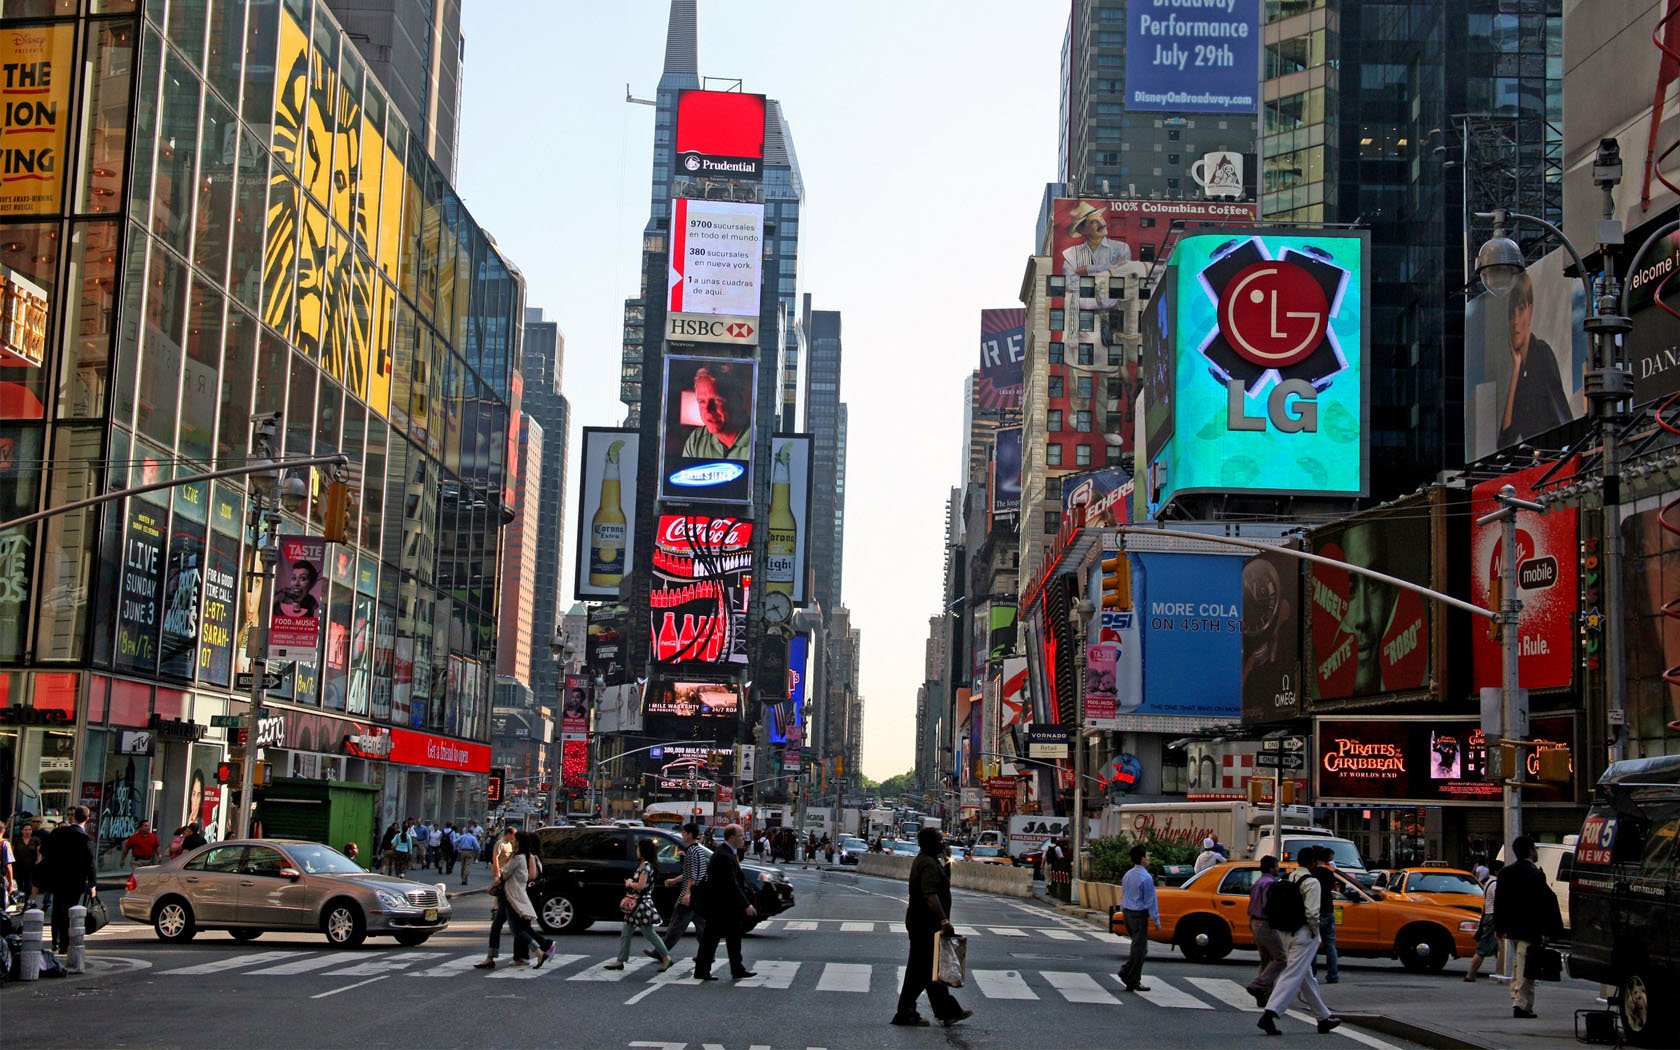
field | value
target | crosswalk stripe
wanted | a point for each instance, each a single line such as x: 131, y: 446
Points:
x: 1079, y: 987
x: 770, y: 973
x: 233, y: 962
x: 967, y: 931
x: 845, y: 977
x: 1106, y: 937
x: 315, y: 962
x: 857, y: 927
x: 1007, y: 931
x: 1225, y: 990
x: 1061, y: 935
x: 392, y: 963
x: 598, y: 972
x: 450, y: 968
x: 529, y: 973
x: 1002, y: 984
x: 1163, y: 994
x: 801, y: 924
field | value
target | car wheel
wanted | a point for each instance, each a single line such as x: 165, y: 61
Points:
x: 413, y: 938
x: 173, y: 921
x: 245, y: 933
x: 1204, y: 940
x: 560, y: 914
x: 1646, y: 1016
x: 1424, y: 950
x: 343, y: 924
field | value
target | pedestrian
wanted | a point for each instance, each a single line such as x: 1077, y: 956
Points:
x: 500, y: 858
x: 8, y: 866
x: 417, y: 839
x: 466, y: 848
x: 1139, y: 908
x: 402, y: 850
x: 67, y: 872
x: 387, y: 849
x: 195, y: 837
x: 728, y: 905
x: 178, y: 843
x: 143, y: 846
x: 1327, y: 881
x: 1220, y: 847
x: 520, y: 870
x: 1487, y: 937
x: 644, y: 917
x: 26, y: 852
x: 1525, y: 911
x: 1209, y: 855
x: 696, y: 858
x: 1292, y: 907
x: 434, y: 847
x: 927, y: 913
x: 446, y: 846
x: 1273, y: 956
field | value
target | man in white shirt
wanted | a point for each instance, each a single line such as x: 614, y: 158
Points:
x: 1095, y: 253
x: 1208, y: 857
x: 1302, y: 945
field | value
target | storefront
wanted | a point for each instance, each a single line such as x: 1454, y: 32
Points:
x: 38, y: 743
x: 443, y: 778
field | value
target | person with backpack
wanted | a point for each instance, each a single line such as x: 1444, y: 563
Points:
x: 1293, y: 906
x: 1273, y: 956
x: 1138, y: 905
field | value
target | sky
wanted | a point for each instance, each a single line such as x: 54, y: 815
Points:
x: 925, y: 133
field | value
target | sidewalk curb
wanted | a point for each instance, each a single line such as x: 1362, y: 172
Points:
x: 1422, y: 1035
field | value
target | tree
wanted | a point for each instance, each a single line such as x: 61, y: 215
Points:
x: 893, y: 787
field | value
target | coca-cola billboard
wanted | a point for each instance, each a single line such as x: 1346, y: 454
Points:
x: 702, y: 572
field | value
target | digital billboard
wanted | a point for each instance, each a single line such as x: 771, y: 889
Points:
x: 694, y: 699
x: 702, y: 570
x: 720, y: 133
x: 1003, y: 350
x: 1424, y: 761
x: 1271, y: 645
x: 1652, y: 348
x: 1548, y: 582
x: 716, y: 258
x: 707, y: 431
x: 606, y: 534
x: 1190, y: 615
x: 1269, y: 385
x: 1365, y: 637
x: 1193, y: 57
x: 1534, y: 333
x: 1006, y: 471
x: 786, y: 721
x: 574, y: 709
x: 788, y: 543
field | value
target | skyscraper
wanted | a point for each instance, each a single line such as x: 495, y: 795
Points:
x: 543, y: 367
x: 414, y: 47
x: 825, y: 420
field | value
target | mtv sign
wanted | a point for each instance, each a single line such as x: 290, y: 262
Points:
x: 711, y: 328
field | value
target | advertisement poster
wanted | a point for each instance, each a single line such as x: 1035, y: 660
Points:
x: 1092, y: 235
x: 1535, y: 332
x: 299, y: 598
x: 1548, y: 582
x: 1653, y: 640
x: 35, y: 102
x: 707, y: 432
x: 1368, y: 637
x: 1191, y: 614
x: 1100, y: 663
x: 1118, y: 631
x: 606, y: 534
x: 1193, y: 58
x: 221, y: 598
x: 574, y: 713
x: 23, y: 321
x: 1003, y: 350
x: 788, y: 546
x: 717, y: 257
x: 1423, y: 761
x: 720, y: 134
x: 1271, y: 651
x: 787, y: 720
x: 1015, y: 697
x: 694, y: 699
x: 574, y: 764
x: 183, y: 581
x: 141, y: 589
x: 1006, y: 472
x: 702, y: 568
x: 1652, y: 349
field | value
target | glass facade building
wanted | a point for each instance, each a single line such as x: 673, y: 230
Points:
x: 227, y: 219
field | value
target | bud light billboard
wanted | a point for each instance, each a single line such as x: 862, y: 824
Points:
x: 706, y: 435
x: 786, y: 720
x: 1264, y: 341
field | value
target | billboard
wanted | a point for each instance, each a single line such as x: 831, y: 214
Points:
x: 606, y: 533
x: 1015, y: 703
x: 716, y: 258
x: 294, y: 631
x: 711, y: 328
x: 1119, y: 636
x: 23, y: 320
x: 786, y: 721
x: 1652, y: 349
x: 1534, y: 333
x: 1193, y: 58
x: 702, y: 569
x: 1652, y: 570
x: 1423, y: 761
x: 1190, y: 616
x: 1003, y: 350
x: 1271, y: 644
x: 720, y: 134
x: 34, y: 116
x: 574, y: 764
x: 1265, y: 367
x: 1548, y: 582
x: 788, y: 545
x: 1092, y: 235
x: 694, y: 699
x: 574, y: 711
x: 1006, y: 471
x: 707, y: 431
x: 1366, y: 637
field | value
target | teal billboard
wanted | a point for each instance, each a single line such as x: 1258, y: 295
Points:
x: 1255, y: 376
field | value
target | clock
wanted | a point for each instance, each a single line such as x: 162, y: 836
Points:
x: 777, y: 607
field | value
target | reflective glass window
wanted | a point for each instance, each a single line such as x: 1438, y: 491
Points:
x: 145, y: 126
x: 291, y: 94
x: 160, y: 346
x: 28, y: 262
x: 273, y: 368
x: 239, y: 357
x: 250, y: 204
x: 104, y: 134
x: 213, y: 221
x: 315, y: 165
x: 280, y: 253
x: 201, y: 384
x: 313, y: 268
x: 187, y: 20
x: 373, y: 475
x: 69, y: 541
x: 20, y: 495
x: 222, y: 52
x: 90, y: 312
x: 262, y: 28
x: 172, y: 192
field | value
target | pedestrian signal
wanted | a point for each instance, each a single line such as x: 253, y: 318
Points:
x: 224, y: 772
x: 1554, y: 765
x: 335, y: 512
x: 1117, y: 583
x: 493, y: 790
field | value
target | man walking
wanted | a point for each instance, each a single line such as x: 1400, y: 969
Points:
x: 143, y: 846
x: 696, y: 858
x: 466, y: 848
x: 1525, y: 910
x: 1273, y: 956
x: 1293, y: 907
x: 928, y: 912
x: 1137, y: 905
x: 727, y: 907
x: 67, y: 871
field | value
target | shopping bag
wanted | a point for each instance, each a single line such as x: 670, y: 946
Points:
x: 950, y: 959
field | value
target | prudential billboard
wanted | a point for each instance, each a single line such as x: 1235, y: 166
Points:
x: 1193, y: 56
x: 1262, y: 360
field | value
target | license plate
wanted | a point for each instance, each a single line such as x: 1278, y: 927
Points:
x: 431, y: 915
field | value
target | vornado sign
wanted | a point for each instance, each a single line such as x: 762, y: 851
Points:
x: 711, y: 328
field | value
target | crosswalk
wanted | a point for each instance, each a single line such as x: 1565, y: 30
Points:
x: 1043, y: 933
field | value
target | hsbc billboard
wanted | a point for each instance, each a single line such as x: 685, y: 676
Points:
x: 711, y: 328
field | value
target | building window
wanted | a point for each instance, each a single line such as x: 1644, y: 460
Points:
x: 1116, y: 356
x: 1082, y: 421
x: 1054, y: 425
x: 1053, y: 455
x: 1087, y: 354
x: 1082, y: 386
x: 1087, y: 287
x: 1057, y: 354
x: 1052, y: 522
x: 1116, y: 455
x: 1087, y: 321
x: 1056, y: 386
x: 1053, y: 284
x: 1082, y: 455
x: 1058, y: 320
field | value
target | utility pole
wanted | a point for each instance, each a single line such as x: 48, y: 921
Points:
x: 266, y: 487
x: 1513, y: 709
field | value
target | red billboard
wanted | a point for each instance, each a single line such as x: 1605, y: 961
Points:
x: 1548, y: 582
x: 438, y: 752
x: 720, y: 134
x: 702, y: 571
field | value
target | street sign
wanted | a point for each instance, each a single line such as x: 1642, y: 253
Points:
x: 1280, y: 760
x: 271, y: 680
x: 226, y: 721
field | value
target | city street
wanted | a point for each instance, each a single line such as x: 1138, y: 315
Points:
x: 827, y: 976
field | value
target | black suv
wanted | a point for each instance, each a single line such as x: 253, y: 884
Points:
x: 583, y: 873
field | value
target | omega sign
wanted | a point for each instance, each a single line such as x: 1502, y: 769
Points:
x: 711, y: 328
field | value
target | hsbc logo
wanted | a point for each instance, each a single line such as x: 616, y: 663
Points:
x: 709, y: 328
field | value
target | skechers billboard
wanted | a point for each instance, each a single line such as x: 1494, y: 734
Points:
x: 1264, y: 344
x: 1193, y: 57
x: 706, y: 439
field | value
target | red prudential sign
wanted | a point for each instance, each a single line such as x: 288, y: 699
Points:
x: 438, y: 752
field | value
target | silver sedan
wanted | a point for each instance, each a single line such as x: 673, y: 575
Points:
x: 248, y: 886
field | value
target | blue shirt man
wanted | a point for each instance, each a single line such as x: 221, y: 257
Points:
x: 1137, y: 905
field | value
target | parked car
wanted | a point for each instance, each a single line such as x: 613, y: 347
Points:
x: 1208, y: 916
x: 1626, y: 892
x: 584, y: 870
x: 1451, y: 887
x: 249, y: 887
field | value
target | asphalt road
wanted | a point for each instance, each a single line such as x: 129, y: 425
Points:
x: 828, y: 976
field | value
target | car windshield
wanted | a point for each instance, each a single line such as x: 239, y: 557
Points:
x: 1442, y: 882
x: 1345, y: 854
x: 986, y: 851
x: 315, y: 859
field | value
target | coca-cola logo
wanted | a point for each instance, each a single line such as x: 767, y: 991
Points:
x: 679, y: 532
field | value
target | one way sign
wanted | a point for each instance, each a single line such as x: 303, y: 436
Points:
x: 271, y: 681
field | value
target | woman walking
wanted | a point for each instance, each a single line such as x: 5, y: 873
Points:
x: 644, y: 917
x: 512, y: 891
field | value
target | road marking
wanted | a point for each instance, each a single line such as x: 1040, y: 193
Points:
x: 1006, y: 931
x: 347, y: 987
x: 599, y: 972
x: 681, y: 972
x: 1002, y: 984
x: 390, y: 964
x: 770, y: 973
x: 857, y: 927
x: 1079, y: 987
x: 801, y: 924
x: 1107, y: 938
x: 313, y: 962
x: 966, y: 931
x: 1344, y: 1030
x: 1165, y: 995
x: 1225, y: 990
x: 845, y: 977
x: 448, y: 969
x: 234, y: 962
x: 1061, y: 935
x: 526, y: 973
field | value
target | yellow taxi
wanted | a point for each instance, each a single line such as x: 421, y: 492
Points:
x: 1450, y: 887
x: 989, y: 855
x: 1208, y: 916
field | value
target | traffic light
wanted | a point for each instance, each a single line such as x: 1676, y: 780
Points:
x: 714, y: 760
x: 335, y: 512
x: 493, y: 790
x: 1117, y: 582
x: 1553, y: 765
x: 1496, y: 601
x: 261, y: 774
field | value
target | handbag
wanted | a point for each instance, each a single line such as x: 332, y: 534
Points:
x: 627, y: 906
x: 950, y: 959
x: 98, y: 917
x: 1543, y: 963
